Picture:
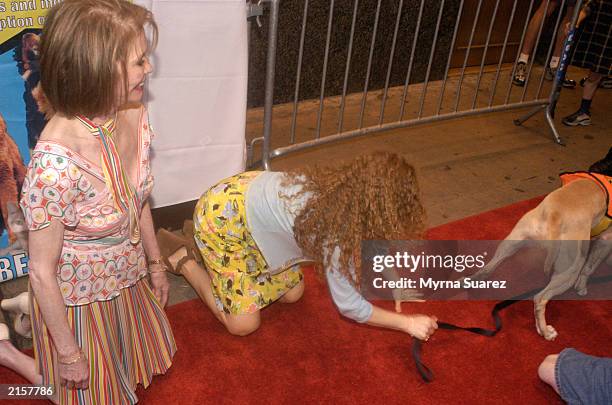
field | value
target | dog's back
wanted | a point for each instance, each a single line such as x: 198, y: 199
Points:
x: 570, y: 212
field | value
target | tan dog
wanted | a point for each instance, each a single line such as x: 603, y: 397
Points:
x: 567, y: 214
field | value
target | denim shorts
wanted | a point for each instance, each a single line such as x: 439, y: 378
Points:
x: 584, y: 379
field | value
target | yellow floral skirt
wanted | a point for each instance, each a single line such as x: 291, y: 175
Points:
x: 240, y: 278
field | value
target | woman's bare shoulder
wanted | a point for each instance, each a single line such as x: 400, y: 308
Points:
x: 68, y: 132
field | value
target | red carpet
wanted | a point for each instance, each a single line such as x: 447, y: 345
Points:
x: 307, y: 353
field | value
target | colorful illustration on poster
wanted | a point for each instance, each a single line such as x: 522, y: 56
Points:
x: 20, y: 121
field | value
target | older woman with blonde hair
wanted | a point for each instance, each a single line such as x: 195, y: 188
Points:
x: 98, y: 327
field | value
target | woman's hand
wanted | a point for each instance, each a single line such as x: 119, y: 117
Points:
x: 421, y: 326
x: 159, y: 280
x: 160, y: 284
x: 75, y: 375
x: 416, y: 325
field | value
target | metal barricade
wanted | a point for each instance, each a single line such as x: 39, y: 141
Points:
x: 483, y: 88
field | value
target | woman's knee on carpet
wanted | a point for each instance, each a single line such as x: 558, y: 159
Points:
x: 294, y: 294
x: 242, y: 324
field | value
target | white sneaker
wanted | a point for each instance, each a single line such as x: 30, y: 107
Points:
x: 520, y: 74
x: 577, y: 118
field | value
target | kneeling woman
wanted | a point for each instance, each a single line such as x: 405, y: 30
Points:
x: 254, y: 229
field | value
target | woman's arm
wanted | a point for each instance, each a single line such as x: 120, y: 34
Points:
x: 417, y: 325
x: 159, y: 280
x: 45, y: 247
x: 353, y: 305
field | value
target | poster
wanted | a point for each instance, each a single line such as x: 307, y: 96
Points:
x: 197, y: 108
x: 20, y: 121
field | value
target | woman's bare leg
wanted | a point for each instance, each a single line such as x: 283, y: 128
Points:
x: 197, y: 276
x: 19, y: 362
x: 294, y: 294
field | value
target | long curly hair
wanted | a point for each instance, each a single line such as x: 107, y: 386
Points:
x: 375, y: 196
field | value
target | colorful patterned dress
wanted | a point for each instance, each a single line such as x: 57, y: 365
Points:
x: 111, y: 309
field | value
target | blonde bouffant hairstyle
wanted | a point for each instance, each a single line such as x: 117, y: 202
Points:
x: 85, y: 47
x: 375, y: 196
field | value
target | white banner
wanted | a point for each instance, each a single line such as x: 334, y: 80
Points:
x: 197, y: 96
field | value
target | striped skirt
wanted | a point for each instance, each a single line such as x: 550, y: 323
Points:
x: 127, y: 341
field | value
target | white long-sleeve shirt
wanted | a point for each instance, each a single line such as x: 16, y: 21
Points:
x: 270, y: 219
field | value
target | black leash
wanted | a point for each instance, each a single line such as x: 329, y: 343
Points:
x: 426, y: 373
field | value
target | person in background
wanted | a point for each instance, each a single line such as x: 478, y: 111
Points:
x: 545, y: 9
x: 593, y: 52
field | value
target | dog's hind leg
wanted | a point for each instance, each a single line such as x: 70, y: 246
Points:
x: 601, y: 250
x: 552, y: 253
x: 570, y: 260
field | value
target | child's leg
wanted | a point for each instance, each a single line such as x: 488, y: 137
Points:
x: 197, y: 276
x: 294, y: 294
x: 243, y: 324
x: 13, y: 358
x: 19, y: 362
